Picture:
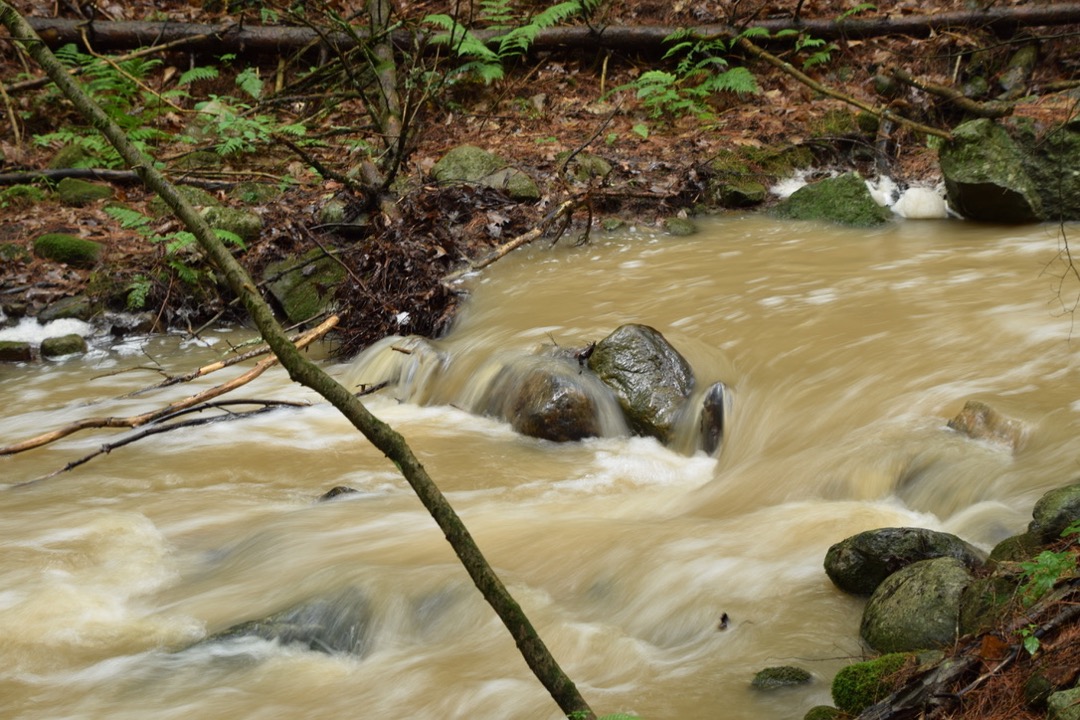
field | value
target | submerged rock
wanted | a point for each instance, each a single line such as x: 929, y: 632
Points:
x: 553, y: 405
x: 860, y: 563
x: 72, y: 344
x: 979, y: 421
x: 780, y: 676
x: 917, y: 607
x: 649, y: 377
x: 714, y: 408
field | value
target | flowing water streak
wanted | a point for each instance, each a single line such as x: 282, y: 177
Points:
x: 847, y: 352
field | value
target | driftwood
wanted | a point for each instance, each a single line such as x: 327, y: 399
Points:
x: 126, y: 177
x: 134, y: 421
x: 279, y: 38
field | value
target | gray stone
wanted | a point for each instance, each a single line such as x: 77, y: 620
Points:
x: 244, y: 223
x: 843, y: 199
x: 1054, y: 512
x: 985, y: 175
x: 1063, y: 705
x: 649, y: 377
x: 917, y: 607
x: 76, y: 307
x: 72, y: 344
x: 860, y: 563
x: 470, y: 164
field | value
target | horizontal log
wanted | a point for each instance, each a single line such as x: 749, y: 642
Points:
x: 232, y: 37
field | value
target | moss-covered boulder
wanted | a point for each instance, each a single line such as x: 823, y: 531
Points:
x: 1064, y: 705
x: 73, y: 307
x: 680, y: 226
x: 772, y: 678
x: 71, y: 344
x: 15, y: 351
x: 19, y: 197
x: 69, y: 249
x: 74, y: 155
x: 243, y: 223
x: 76, y: 193
x: 917, y: 607
x: 305, y: 286
x: 1054, y: 512
x: 860, y: 563
x: 470, y: 164
x: 985, y: 175
x: 649, y: 377
x: 843, y: 199
x: 198, y: 197
x: 860, y: 685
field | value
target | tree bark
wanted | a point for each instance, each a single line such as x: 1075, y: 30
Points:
x: 279, y: 38
x: 301, y: 370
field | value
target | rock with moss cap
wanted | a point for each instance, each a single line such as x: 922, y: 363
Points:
x: 860, y: 685
x: 304, y: 286
x: 71, y: 344
x: 1054, y: 512
x: 76, y: 193
x: 20, y: 197
x: 15, y: 351
x: 243, y: 223
x: 985, y: 177
x: 470, y: 164
x: 69, y: 249
x: 680, y: 226
x: 780, y: 676
x: 843, y: 199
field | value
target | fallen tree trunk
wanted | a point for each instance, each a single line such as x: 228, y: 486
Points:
x: 105, y: 35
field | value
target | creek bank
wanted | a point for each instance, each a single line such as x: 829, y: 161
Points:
x: 940, y: 594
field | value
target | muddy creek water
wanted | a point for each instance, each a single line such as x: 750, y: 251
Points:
x: 847, y: 351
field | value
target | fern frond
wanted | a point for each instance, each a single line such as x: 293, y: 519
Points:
x: 737, y: 80
x: 129, y: 219
x: 196, y: 74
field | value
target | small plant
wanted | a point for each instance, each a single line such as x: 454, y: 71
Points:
x: 700, y: 73
x: 1029, y: 640
x: 1042, y: 573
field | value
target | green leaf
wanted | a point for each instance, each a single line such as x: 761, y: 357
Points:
x: 249, y: 81
x: 641, y: 130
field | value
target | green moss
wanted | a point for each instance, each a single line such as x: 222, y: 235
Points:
x: 18, y: 197
x: 857, y: 687
x: 780, y: 676
x: 824, y: 712
x: 75, y: 155
x: 835, y: 123
x: 72, y: 344
x: 680, y: 226
x: 75, y: 192
x: 61, y: 247
x: 844, y: 200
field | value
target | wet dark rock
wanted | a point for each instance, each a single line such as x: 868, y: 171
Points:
x: 71, y: 344
x: 780, y: 676
x: 552, y: 403
x: 843, y: 199
x: 917, y: 607
x: 860, y: 563
x: 1054, y: 512
x: 76, y: 307
x: 336, y: 492
x: 979, y: 421
x: 341, y: 623
x: 649, y: 377
x: 69, y: 249
x: 15, y: 351
x: 985, y: 177
x: 714, y: 408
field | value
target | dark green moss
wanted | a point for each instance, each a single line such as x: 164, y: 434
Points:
x: 64, y: 248
x: 857, y: 687
x: 844, y: 200
x: 781, y: 676
x: 76, y: 193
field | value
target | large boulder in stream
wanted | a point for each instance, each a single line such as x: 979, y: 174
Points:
x: 979, y: 421
x: 917, y: 607
x: 844, y: 199
x: 860, y: 563
x: 649, y: 377
x: 1054, y: 512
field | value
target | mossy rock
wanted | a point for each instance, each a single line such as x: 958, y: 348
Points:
x: 72, y: 344
x: 19, y: 197
x: 196, y: 196
x: 64, y: 248
x: 1016, y: 548
x: 584, y: 166
x: 304, y: 286
x: 76, y: 307
x: 470, y: 164
x: 15, y: 351
x: 680, y: 226
x: 778, y: 162
x: 76, y: 193
x: 254, y: 193
x: 985, y: 603
x: 857, y: 687
x: 985, y: 175
x: 1064, y: 705
x: 740, y: 193
x: 781, y: 676
x: 1054, y: 512
x: 825, y: 712
x: 13, y: 252
x: 244, y: 223
x: 75, y: 155
x: 843, y: 200
x: 199, y: 160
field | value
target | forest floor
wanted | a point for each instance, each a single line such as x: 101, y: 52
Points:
x: 548, y: 103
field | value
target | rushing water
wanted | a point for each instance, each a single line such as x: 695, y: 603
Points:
x: 847, y: 352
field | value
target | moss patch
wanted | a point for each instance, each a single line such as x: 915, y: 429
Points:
x: 64, y: 248
x: 20, y: 197
x: 857, y: 687
x: 76, y: 193
x: 843, y: 199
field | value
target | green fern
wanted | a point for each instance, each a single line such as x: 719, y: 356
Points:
x: 196, y: 74
x: 249, y: 81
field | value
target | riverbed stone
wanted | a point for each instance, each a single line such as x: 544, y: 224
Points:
x: 843, y: 199
x: 554, y: 404
x: 649, y: 377
x: 781, y: 676
x: 979, y: 421
x: 15, y: 351
x: 74, y: 307
x: 680, y: 226
x: 470, y: 164
x: 76, y: 193
x: 860, y: 563
x: 714, y: 409
x: 917, y: 607
x: 985, y: 175
x: 68, y: 249
x: 1054, y: 512
x: 304, y: 286
x: 71, y: 344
